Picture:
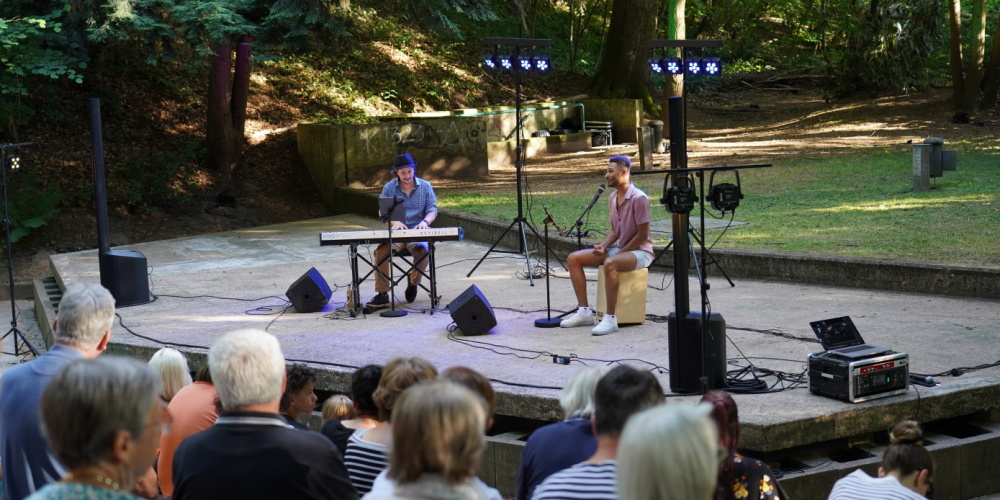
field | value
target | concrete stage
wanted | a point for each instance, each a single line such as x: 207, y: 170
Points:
x: 209, y: 284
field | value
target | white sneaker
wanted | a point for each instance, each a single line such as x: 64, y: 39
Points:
x: 579, y: 318
x: 607, y: 325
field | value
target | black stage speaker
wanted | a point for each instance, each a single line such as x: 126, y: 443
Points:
x: 472, y: 312
x: 686, y: 346
x: 123, y: 273
x: 309, y: 293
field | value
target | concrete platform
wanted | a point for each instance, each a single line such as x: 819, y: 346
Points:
x: 207, y: 285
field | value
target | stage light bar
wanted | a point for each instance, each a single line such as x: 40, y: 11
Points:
x: 655, y: 66
x: 14, y: 162
x: 542, y: 63
x: 489, y: 61
x: 504, y: 62
x: 672, y: 65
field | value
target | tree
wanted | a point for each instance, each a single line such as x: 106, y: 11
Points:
x: 955, y: 45
x: 673, y: 85
x: 622, y: 71
x: 977, y: 54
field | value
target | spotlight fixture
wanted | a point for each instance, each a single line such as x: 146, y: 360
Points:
x: 489, y: 61
x: 726, y: 196
x: 694, y: 67
x: 524, y: 62
x: 680, y: 196
x: 504, y: 62
x: 542, y: 63
x: 713, y: 66
x: 14, y: 162
x: 672, y: 65
x: 655, y: 66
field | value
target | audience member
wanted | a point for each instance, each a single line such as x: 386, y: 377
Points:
x: 437, y: 442
x: 563, y: 444
x: 624, y: 391
x: 299, y: 397
x: 192, y: 410
x: 81, y: 330
x: 364, y: 381
x: 479, y: 385
x: 368, y: 449
x: 338, y: 406
x: 169, y: 364
x: 906, y: 471
x: 739, y: 477
x: 251, y: 452
x: 102, y: 418
x: 669, y: 452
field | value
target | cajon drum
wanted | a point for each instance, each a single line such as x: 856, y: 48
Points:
x: 631, y: 307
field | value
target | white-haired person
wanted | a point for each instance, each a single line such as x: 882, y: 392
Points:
x: 557, y: 446
x: 103, y: 419
x: 81, y: 330
x: 669, y: 452
x: 368, y: 449
x: 173, y: 370
x: 437, y: 442
x: 906, y: 471
x: 251, y: 452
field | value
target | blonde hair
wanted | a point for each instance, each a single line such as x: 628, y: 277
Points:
x: 397, y: 375
x: 437, y: 428
x: 577, y: 399
x: 668, y: 452
x: 169, y: 364
x: 338, y: 406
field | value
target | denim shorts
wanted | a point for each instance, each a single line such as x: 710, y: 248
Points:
x: 642, y: 259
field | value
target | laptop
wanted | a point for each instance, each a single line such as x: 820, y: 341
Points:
x: 840, y: 337
x: 385, y: 204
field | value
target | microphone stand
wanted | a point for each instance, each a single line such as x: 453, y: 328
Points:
x: 579, y: 222
x: 387, y: 218
x: 548, y: 321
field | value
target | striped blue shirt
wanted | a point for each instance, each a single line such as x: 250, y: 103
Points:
x: 583, y: 481
x: 420, y: 202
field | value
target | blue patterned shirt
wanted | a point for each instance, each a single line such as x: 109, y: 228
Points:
x: 420, y: 202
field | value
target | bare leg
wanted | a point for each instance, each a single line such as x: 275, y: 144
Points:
x: 619, y: 263
x: 576, y: 262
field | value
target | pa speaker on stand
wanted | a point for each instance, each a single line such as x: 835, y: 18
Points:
x: 309, y: 293
x: 697, y: 364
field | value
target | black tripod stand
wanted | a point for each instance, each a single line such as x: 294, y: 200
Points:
x: 518, y: 221
x: 709, y: 259
x: 13, y: 160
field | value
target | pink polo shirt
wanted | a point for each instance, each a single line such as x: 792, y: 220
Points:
x: 626, y: 218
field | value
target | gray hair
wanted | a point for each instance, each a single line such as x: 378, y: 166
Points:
x: 247, y: 367
x: 86, y: 311
x: 668, y: 452
x: 577, y: 399
x: 90, y: 400
x: 173, y: 370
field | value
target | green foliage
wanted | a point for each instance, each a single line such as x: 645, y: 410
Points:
x: 30, y: 204
x: 162, y: 179
x: 887, y: 48
x: 438, y: 13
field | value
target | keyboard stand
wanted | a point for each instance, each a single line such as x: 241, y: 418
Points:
x: 357, y: 279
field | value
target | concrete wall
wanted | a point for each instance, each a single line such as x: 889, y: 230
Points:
x: 501, y: 153
x: 625, y: 113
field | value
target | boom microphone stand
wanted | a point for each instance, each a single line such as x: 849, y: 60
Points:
x: 575, y: 229
x: 10, y: 260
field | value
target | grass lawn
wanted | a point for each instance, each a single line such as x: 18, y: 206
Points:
x: 857, y: 205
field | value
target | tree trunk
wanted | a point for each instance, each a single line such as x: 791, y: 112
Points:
x: 674, y: 85
x: 977, y: 49
x: 228, y: 92
x: 991, y: 76
x: 955, y: 28
x: 623, y: 70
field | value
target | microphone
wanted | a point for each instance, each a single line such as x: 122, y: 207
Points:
x: 600, y: 189
x: 550, y: 219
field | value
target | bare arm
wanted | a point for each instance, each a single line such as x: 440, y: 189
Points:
x: 641, y: 235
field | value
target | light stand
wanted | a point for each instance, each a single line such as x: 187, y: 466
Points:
x: 519, y: 221
x: 10, y: 260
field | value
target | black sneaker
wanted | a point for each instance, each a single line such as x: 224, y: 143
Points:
x: 411, y: 292
x: 379, y: 301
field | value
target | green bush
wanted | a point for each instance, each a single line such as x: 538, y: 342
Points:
x: 30, y: 204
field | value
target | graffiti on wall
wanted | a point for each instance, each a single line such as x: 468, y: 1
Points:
x: 449, y: 138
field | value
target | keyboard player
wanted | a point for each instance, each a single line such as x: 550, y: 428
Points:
x: 419, y: 211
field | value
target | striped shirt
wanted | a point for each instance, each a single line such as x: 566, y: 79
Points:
x: 364, y: 460
x: 860, y: 486
x: 584, y: 481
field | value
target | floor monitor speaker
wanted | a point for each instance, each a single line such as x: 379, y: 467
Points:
x: 309, y: 293
x: 123, y: 273
x: 472, y: 312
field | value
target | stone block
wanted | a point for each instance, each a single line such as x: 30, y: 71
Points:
x: 980, y: 464
x: 321, y: 147
x: 501, y: 461
x: 625, y: 113
x: 921, y: 168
